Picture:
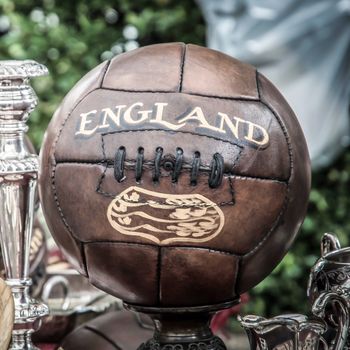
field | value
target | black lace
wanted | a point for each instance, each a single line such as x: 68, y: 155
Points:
x: 139, y: 163
x: 171, y: 164
x: 119, y: 161
x: 216, y: 170
x: 195, y: 168
x: 178, y: 164
x: 157, y: 160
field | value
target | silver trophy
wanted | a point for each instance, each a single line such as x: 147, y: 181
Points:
x: 18, y: 181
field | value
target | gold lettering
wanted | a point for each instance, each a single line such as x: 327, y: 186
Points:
x: 251, y: 127
x: 159, y: 117
x: 110, y: 118
x: 197, y: 115
x: 130, y: 120
x: 250, y: 135
x: 144, y: 114
x: 108, y: 113
x: 233, y: 127
x: 84, y: 122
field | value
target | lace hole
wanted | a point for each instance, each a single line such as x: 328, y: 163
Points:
x: 168, y: 162
x: 168, y: 165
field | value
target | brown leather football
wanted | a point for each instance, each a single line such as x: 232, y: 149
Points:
x: 174, y: 175
x: 121, y: 330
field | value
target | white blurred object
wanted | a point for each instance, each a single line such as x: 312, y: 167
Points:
x: 303, y: 47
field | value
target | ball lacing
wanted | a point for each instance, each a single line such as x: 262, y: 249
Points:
x: 215, y: 174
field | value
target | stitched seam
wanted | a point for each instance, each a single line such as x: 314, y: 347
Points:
x: 224, y: 203
x: 171, y: 132
x: 236, y: 160
x: 97, y: 332
x: 273, y: 226
x: 186, y: 166
x: 183, y: 132
x: 182, y: 65
x: 99, y: 183
x: 257, y: 84
x: 105, y: 72
x: 238, y: 264
x: 196, y: 308
x: 53, y: 172
x: 151, y: 245
x: 204, y: 173
x: 232, y: 191
x: 130, y: 164
x: 53, y: 185
x: 285, y: 132
x: 108, y: 195
x: 221, y: 204
x: 99, y: 283
x: 159, y: 271
x: 210, y: 250
x: 253, y: 99
x: 83, y: 257
x: 291, y: 165
x: 68, y: 115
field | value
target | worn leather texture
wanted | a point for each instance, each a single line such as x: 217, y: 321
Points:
x: 113, y: 331
x: 127, y: 169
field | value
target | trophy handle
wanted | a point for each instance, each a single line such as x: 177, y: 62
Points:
x: 329, y: 243
x: 50, y: 284
x: 340, y: 316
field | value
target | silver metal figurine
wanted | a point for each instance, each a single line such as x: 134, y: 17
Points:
x: 18, y: 182
x: 329, y: 294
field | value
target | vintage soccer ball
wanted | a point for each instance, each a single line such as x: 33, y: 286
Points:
x: 174, y: 175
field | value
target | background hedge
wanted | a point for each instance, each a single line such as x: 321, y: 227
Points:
x: 71, y: 37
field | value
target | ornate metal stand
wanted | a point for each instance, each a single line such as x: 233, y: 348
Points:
x: 331, y: 276
x: 18, y: 180
x: 182, y: 328
x: 329, y: 294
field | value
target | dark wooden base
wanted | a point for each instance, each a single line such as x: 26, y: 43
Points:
x: 182, y: 328
x: 214, y: 343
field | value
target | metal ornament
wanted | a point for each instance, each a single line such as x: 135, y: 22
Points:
x: 329, y: 294
x: 185, y: 328
x: 331, y: 276
x: 296, y: 331
x: 18, y: 181
x: 284, y: 332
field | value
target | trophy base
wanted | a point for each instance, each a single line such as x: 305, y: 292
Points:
x: 185, y: 328
x: 28, y: 314
x: 214, y: 343
x: 24, y: 347
x: 22, y: 342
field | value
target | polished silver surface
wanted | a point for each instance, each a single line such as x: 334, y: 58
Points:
x: 18, y: 182
x: 299, y: 332
x: 330, y: 277
x: 286, y: 332
x: 329, y: 294
x: 334, y: 309
x: 331, y: 272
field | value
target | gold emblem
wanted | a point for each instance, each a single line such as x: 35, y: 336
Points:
x: 165, y: 218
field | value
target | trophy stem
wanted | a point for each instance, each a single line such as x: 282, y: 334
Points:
x: 183, y: 331
x: 18, y: 182
x: 182, y: 328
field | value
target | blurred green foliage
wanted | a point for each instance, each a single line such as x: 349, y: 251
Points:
x: 71, y: 37
x: 285, y: 289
